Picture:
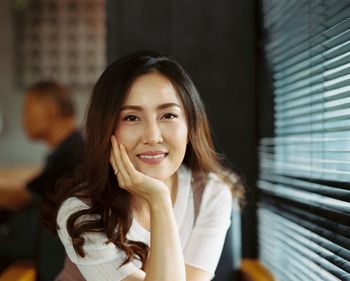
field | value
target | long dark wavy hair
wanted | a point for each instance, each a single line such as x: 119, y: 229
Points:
x: 96, y: 183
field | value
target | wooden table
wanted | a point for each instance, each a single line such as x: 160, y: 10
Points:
x: 19, y: 271
x: 13, y: 179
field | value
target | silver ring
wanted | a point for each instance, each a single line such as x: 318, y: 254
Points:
x: 116, y: 172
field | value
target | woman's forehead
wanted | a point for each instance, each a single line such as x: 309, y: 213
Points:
x: 152, y: 88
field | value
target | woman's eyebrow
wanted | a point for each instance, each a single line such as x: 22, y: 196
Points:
x: 159, y: 107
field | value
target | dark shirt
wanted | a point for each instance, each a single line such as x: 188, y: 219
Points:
x: 61, y: 162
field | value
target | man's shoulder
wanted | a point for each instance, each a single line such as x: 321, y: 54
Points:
x: 74, y: 141
x: 70, y: 149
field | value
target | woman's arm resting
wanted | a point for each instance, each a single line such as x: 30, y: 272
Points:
x: 136, y: 276
x: 166, y: 259
x: 195, y: 274
x: 192, y: 274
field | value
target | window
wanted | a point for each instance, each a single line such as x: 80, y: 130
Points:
x: 304, y: 208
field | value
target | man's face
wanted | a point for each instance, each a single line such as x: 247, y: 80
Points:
x: 36, y: 121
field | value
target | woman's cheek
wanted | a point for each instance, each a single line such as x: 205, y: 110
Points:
x: 123, y: 133
x: 179, y: 133
x: 129, y: 138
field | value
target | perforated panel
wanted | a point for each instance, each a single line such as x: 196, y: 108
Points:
x: 63, y: 40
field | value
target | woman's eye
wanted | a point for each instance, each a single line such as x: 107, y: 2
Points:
x: 130, y: 118
x: 170, y: 116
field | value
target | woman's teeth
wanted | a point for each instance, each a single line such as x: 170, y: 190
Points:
x: 152, y: 156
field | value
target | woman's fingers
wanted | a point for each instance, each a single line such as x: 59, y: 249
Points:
x: 116, y: 169
x: 112, y: 161
x: 122, y: 174
x: 117, y: 157
x: 129, y: 167
x: 129, y: 178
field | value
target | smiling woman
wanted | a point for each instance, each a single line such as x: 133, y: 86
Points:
x: 153, y: 201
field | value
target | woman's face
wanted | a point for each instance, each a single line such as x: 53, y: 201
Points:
x: 152, y: 126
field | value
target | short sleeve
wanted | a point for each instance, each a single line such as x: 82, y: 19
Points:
x: 205, y: 244
x: 102, y: 261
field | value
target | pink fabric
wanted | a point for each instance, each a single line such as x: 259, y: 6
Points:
x: 70, y: 272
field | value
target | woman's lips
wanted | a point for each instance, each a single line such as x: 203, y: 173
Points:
x: 152, y: 157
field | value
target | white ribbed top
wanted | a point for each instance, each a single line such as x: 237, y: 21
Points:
x: 201, y: 243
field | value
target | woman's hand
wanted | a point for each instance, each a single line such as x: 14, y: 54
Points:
x: 132, y: 180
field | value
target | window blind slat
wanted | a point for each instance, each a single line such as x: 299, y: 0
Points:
x: 305, y: 197
x: 296, y: 111
x: 316, y: 116
x: 308, y: 186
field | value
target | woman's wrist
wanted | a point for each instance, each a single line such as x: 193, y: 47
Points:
x: 160, y: 199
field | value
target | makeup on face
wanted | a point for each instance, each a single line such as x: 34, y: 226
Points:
x: 152, y: 126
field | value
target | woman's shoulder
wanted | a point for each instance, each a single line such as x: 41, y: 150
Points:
x: 223, y: 191
x: 216, y: 184
x: 69, y: 207
x: 73, y: 203
x: 217, y: 193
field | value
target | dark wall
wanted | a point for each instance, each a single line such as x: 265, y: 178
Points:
x: 215, y: 42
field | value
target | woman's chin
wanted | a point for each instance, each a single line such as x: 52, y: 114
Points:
x: 154, y: 173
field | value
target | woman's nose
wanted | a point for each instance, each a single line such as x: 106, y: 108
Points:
x: 152, y: 134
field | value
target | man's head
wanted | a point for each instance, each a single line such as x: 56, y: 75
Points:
x: 46, y: 103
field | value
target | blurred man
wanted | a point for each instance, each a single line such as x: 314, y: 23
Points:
x: 49, y: 117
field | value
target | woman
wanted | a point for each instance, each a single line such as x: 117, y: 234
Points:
x: 153, y: 201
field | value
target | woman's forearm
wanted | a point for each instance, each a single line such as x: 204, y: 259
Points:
x: 166, y: 259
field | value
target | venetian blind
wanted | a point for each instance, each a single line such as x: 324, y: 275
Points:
x: 304, y: 209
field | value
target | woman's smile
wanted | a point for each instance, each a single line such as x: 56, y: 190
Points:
x: 152, y: 157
